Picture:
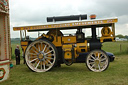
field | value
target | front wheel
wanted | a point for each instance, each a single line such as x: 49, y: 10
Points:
x: 97, y: 61
x: 41, y: 56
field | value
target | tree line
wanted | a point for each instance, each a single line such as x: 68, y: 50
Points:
x: 122, y: 36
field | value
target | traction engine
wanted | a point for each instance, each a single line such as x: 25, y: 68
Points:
x: 54, y: 48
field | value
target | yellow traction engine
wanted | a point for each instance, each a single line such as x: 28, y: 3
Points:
x: 53, y: 48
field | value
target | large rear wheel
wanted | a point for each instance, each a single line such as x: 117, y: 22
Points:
x: 97, y: 61
x: 41, y: 56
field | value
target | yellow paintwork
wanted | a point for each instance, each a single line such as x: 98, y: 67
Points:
x: 67, y: 51
x: 68, y: 55
x: 66, y: 25
x: 24, y: 45
x: 24, y: 48
x: 66, y: 47
x: 106, y: 32
x: 55, y: 32
x: 75, y: 52
x: 103, y: 38
x: 44, y: 35
x: 57, y: 41
x: 81, y: 46
x: 69, y: 39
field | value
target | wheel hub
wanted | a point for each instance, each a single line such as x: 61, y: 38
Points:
x: 41, y: 56
x: 97, y: 61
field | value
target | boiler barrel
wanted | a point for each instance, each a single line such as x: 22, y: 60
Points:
x: 67, y: 18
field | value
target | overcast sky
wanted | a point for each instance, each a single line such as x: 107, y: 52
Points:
x: 34, y: 12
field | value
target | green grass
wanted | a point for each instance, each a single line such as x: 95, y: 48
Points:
x: 114, y: 47
x: 77, y: 74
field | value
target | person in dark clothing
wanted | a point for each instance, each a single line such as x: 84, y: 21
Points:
x: 17, y: 54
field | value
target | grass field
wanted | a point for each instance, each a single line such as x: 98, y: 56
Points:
x: 77, y: 74
x: 115, y: 48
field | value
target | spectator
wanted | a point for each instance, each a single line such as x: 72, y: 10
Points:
x: 17, y: 54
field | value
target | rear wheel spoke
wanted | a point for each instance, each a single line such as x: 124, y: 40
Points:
x: 51, y: 55
x: 44, y: 65
x: 41, y: 66
x: 39, y: 46
x: 33, y: 60
x: 32, y: 54
x: 32, y: 57
x: 35, y: 48
x: 49, y: 61
x: 48, y: 52
x: 44, y: 48
x: 49, y: 58
x: 37, y: 65
x: 47, y: 49
x: 36, y: 62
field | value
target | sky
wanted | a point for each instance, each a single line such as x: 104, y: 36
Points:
x: 35, y: 12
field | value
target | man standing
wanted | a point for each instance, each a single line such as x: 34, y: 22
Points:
x: 17, y: 54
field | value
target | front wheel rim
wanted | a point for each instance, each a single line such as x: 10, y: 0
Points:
x: 40, y: 56
x: 97, y: 61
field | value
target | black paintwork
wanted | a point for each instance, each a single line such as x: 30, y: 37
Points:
x: 82, y: 57
x: 66, y: 18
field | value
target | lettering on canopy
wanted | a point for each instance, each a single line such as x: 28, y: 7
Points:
x: 64, y: 25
